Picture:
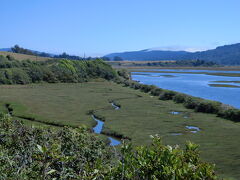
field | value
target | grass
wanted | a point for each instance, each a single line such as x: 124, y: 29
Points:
x: 217, y: 68
x: 24, y: 56
x: 224, y: 85
x: 140, y: 116
x: 226, y: 81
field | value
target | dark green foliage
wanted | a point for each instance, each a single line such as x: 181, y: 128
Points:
x: 29, y: 153
x: 162, y: 162
x: 208, y: 106
x: 52, y: 71
x: 167, y: 95
x: 181, y: 63
x: 18, y: 49
x: 67, y: 56
x: 231, y: 113
x: 146, y: 88
x: 67, y: 153
x: 124, y: 73
x: 179, y: 98
x: 156, y: 91
x: 191, y: 102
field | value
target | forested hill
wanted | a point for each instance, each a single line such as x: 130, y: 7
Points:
x: 227, y: 55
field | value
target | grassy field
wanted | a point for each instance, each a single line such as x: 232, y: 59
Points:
x: 226, y: 81
x: 24, y: 56
x: 140, y: 116
x: 224, y: 85
x: 217, y: 68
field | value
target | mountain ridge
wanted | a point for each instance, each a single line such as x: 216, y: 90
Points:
x: 227, y: 55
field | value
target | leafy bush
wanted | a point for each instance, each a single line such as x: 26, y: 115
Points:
x: 162, y: 162
x: 156, y: 91
x: 191, y: 102
x: 232, y: 114
x: 66, y: 71
x: 208, y: 106
x: 167, y: 95
x: 124, y: 73
x: 179, y: 98
x: 73, y: 153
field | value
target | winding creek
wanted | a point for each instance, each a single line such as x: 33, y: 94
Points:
x: 194, y: 84
x: 98, y: 128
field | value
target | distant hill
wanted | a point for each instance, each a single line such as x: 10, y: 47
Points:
x: 149, y: 55
x: 6, y: 49
x: 227, y: 55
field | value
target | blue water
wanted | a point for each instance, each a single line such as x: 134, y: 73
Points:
x: 194, y: 128
x: 195, y: 85
x: 175, y: 112
x: 115, y: 106
x: 98, y: 129
x: 114, y: 142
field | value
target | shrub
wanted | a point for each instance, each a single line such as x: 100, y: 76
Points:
x: 179, y: 98
x: 208, y: 106
x: 124, y: 73
x: 146, y: 88
x: 156, y: 91
x: 73, y: 153
x: 191, y: 102
x: 167, y: 95
x: 162, y: 162
x: 231, y: 114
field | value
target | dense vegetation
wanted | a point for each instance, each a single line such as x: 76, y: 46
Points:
x: 18, y: 49
x: 33, y: 153
x: 227, y: 55
x: 190, y: 102
x: 184, y: 63
x: 52, y: 71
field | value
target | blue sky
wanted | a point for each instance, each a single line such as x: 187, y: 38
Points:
x: 97, y: 27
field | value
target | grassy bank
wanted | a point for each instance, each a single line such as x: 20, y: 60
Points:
x: 140, y: 116
x: 24, y: 56
x: 224, y: 85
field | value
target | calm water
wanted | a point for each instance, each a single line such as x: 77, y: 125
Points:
x: 98, y: 128
x: 194, y: 84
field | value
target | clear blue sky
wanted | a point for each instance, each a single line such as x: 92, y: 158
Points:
x: 104, y: 26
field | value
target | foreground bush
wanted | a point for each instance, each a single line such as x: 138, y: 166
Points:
x: 162, y: 162
x: 67, y: 153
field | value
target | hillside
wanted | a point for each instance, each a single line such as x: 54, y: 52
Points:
x: 149, y: 55
x: 24, y: 56
x: 227, y: 55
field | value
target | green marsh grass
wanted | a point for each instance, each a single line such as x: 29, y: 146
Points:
x: 140, y: 116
